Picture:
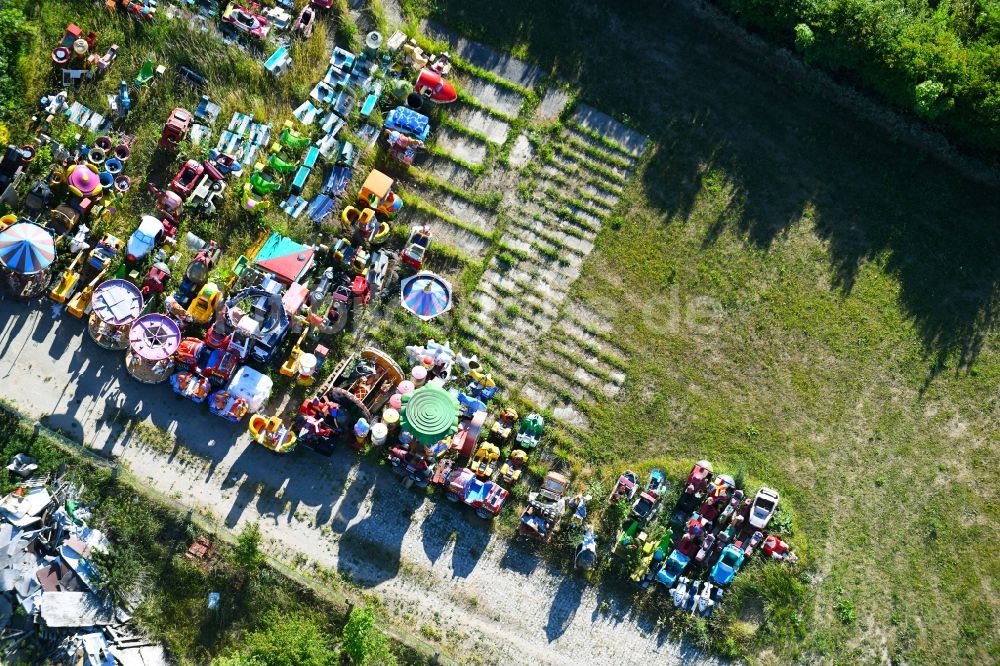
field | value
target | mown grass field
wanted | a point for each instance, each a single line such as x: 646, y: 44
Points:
x: 843, y: 346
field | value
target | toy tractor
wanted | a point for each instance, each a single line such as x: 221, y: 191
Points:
x: 155, y: 282
x: 376, y: 192
x: 416, y: 247
x: 530, y: 432
x: 513, y: 466
x: 503, y: 426
x: 196, y: 274
x: 92, y: 273
x: 175, y: 130
x: 484, y: 462
x: 545, y: 508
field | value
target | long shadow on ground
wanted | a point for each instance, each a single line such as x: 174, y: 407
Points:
x: 713, y: 107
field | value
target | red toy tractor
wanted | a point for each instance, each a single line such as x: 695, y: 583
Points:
x: 176, y: 129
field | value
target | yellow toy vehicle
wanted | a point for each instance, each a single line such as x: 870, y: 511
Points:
x: 203, y: 306
x: 68, y: 281
x: 271, y: 433
x: 290, y: 367
x: 503, y: 426
x: 512, y: 467
x: 93, y: 272
x: 484, y: 462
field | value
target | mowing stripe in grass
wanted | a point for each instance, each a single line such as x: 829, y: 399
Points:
x: 563, y: 214
x: 599, y: 138
x: 597, y: 154
x: 559, y: 348
x: 454, y: 125
x: 476, y: 169
x: 556, y: 179
x: 570, y: 377
x: 522, y: 289
x: 578, y: 204
x: 469, y: 100
x: 554, y: 232
x: 613, y: 185
x: 490, y: 202
x: 415, y: 202
x: 610, y: 172
x: 569, y: 340
x: 571, y: 173
x: 486, y: 75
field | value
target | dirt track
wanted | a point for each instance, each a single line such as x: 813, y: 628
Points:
x: 433, y: 563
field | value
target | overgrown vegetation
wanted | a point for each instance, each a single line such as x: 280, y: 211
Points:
x: 15, y: 35
x: 263, y: 618
x: 937, y: 59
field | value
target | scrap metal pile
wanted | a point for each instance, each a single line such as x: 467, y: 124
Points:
x: 51, y: 604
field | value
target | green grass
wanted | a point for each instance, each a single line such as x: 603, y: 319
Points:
x: 853, y: 363
x: 151, y: 535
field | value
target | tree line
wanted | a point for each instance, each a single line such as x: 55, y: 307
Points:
x: 940, y: 60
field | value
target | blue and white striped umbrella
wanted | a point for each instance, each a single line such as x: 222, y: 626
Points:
x: 26, y: 248
x: 426, y: 295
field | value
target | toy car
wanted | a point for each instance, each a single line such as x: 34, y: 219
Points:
x: 243, y: 20
x: 204, y: 305
x: 727, y: 566
x: 628, y: 484
x: 775, y: 548
x: 304, y: 23
x: 148, y: 235
x: 191, y: 386
x: 486, y: 497
x: 176, y: 128
x: 272, y: 434
x: 416, y: 247
x: 187, y: 178
x: 764, y: 506
x: 417, y: 469
x: 672, y: 568
x: 434, y: 87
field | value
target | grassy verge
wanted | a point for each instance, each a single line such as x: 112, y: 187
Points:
x: 150, y: 537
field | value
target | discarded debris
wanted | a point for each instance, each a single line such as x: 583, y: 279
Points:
x: 46, y: 568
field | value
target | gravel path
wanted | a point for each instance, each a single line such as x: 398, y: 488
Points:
x: 431, y: 562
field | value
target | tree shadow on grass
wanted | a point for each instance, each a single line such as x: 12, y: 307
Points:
x: 716, y: 108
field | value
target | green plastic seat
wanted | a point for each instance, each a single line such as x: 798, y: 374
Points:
x: 145, y: 74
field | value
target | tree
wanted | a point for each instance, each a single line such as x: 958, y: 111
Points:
x: 246, y: 553
x: 929, y: 102
x: 363, y: 641
x: 288, y: 640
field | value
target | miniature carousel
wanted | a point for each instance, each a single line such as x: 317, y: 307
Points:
x: 115, y: 306
x: 153, y: 339
x: 26, y: 254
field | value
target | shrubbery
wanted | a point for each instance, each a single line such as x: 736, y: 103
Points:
x: 940, y: 60
x: 15, y: 35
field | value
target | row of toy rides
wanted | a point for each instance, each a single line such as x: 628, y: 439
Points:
x: 27, y: 252
x: 152, y: 341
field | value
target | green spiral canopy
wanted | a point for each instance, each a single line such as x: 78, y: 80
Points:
x: 429, y: 414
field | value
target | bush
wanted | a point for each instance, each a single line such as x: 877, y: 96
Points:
x: 804, y: 37
x: 929, y: 58
x: 15, y: 35
x: 363, y: 641
x: 929, y: 102
x: 288, y: 640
